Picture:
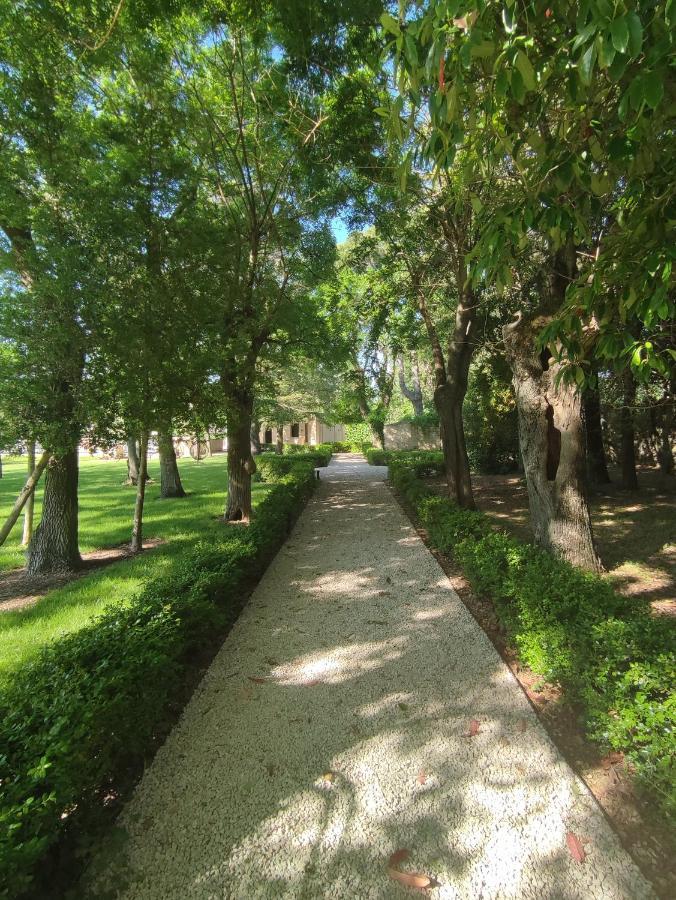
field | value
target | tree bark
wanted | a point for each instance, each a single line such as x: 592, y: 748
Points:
x: 132, y: 461
x: 26, y: 493
x: 170, y: 477
x: 279, y: 446
x: 241, y: 465
x: 665, y: 455
x: 54, y: 547
x: 627, y: 437
x: 255, y: 438
x: 597, y: 466
x: 413, y: 393
x: 29, y: 509
x: 137, y: 527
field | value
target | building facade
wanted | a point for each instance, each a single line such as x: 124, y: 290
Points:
x: 310, y: 431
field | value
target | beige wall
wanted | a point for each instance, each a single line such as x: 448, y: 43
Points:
x: 311, y: 431
x: 406, y: 436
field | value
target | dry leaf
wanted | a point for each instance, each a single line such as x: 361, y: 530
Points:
x: 413, y: 879
x: 422, y: 777
x: 311, y: 683
x: 521, y: 725
x: 575, y: 846
x: 397, y: 857
x: 328, y: 776
x: 473, y: 728
x: 612, y: 759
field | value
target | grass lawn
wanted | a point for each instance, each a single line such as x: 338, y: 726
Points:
x: 106, y: 508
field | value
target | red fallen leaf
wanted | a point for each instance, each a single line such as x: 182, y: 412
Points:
x: 422, y: 777
x: 575, y: 846
x: 473, y: 728
x: 548, y: 13
x: 397, y: 857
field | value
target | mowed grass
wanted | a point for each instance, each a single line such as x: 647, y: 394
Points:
x: 106, y: 508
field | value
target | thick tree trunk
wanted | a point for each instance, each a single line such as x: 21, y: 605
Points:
x: 54, y: 547
x: 132, y: 461
x: 413, y: 393
x: 29, y: 509
x: 279, y: 446
x: 241, y: 465
x: 170, y: 477
x: 137, y: 527
x: 26, y: 493
x: 597, y: 466
x: 627, y: 437
x: 551, y: 436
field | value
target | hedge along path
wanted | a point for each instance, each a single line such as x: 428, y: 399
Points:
x: 356, y: 710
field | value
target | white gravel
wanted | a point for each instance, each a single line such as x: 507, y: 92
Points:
x: 302, y: 786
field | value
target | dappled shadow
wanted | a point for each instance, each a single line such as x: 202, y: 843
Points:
x: 336, y: 726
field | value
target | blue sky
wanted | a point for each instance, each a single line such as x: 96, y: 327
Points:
x: 339, y: 229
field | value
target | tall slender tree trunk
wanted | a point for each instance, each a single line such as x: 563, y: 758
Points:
x: 551, y: 433
x: 412, y: 393
x: 24, y: 495
x: 132, y: 461
x: 279, y: 446
x: 597, y: 465
x: 627, y: 436
x: 170, y: 477
x: 137, y: 527
x: 665, y: 455
x: 29, y: 508
x: 54, y: 546
x: 255, y: 438
x: 241, y: 465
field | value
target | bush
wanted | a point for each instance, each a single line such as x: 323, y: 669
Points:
x: 421, y: 462
x: 75, y: 719
x: 571, y: 627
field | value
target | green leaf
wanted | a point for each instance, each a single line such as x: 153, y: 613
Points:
x: 508, y: 20
x: 477, y: 205
x: 411, y: 50
x: 586, y: 65
x: 518, y: 87
x: 606, y: 51
x: 389, y: 23
x: 635, y: 34
x: 526, y: 70
x: 653, y: 89
x: 619, y: 31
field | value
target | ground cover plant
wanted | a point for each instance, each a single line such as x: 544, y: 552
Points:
x: 106, y: 513
x: 610, y: 656
x: 73, y: 719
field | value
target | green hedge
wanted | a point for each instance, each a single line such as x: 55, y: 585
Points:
x: 351, y: 446
x: 421, y: 462
x: 75, y: 720
x: 318, y: 454
x: 607, y: 652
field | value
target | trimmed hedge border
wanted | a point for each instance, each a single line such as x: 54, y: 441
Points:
x: 608, y: 654
x: 89, y: 708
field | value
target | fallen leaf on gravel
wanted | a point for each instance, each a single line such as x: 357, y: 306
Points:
x: 257, y: 679
x: 328, y: 776
x: 422, y: 777
x: 311, y: 683
x: 521, y: 725
x: 575, y: 846
x: 473, y: 728
x: 397, y: 857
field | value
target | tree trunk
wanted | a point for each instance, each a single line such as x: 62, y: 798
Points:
x: 279, y: 447
x: 241, y: 465
x: 665, y: 455
x: 413, y: 393
x: 597, y: 465
x: 26, y: 493
x: 627, y: 438
x: 29, y: 509
x: 551, y: 436
x: 255, y: 438
x: 137, y: 527
x: 448, y: 400
x: 132, y: 461
x: 170, y: 477
x: 54, y: 547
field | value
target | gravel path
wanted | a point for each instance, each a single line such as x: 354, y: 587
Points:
x: 357, y: 742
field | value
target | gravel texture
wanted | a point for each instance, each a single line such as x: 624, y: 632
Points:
x: 358, y: 742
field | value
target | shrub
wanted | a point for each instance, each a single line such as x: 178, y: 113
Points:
x: 75, y: 719
x: 571, y: 627
x: 318, y: 454
x: 421, y: 462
